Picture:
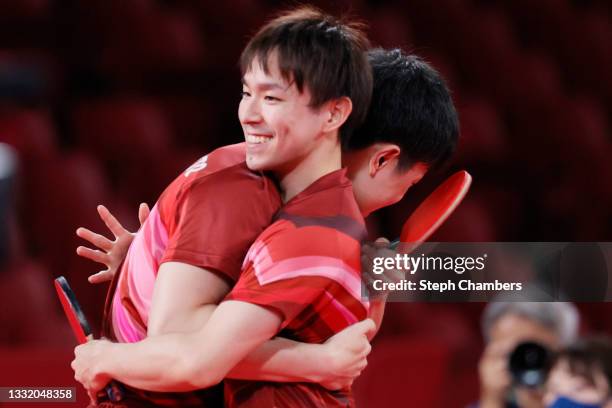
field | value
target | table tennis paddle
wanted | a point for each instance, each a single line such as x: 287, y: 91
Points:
x: 81, y: 328
x: 433, y: 211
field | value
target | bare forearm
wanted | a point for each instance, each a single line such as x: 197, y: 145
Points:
x: 189, y: 361
x: 163, y: 363
x: 187, y: 322
x: 282, y: 360
x: 279, y: 359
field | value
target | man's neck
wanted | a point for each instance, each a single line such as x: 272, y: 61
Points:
x: 325, y: 159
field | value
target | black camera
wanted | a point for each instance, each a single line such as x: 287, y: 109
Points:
x: 529, y: 364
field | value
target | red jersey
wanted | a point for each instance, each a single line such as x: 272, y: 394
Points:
x: 207, y: 217
x: 306, y: 267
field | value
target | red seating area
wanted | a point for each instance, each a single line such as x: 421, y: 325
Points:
x: 40, y: 367
x: 106, y: 102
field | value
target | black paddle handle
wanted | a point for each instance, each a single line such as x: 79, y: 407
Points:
x: 114, y: 391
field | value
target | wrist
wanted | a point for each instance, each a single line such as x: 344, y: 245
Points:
x: 106, y: 362
x: 322, y: 357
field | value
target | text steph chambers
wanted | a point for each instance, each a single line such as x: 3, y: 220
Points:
x: 462, y: 285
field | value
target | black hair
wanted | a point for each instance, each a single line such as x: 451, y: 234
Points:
x: 588, y: 356
x: 411, y: 107
x: 326, y: 54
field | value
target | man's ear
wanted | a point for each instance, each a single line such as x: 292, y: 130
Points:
x: 382, y: 156
x: 338, y: 112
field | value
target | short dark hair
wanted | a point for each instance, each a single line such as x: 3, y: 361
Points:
x: 588, y: 356
x: 411, y: 107
x: 326, y: 54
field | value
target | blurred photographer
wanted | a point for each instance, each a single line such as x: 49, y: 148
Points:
x: 507, y: 325
x: 581, y: 376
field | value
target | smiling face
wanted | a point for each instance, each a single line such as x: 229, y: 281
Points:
x: 279, y: 126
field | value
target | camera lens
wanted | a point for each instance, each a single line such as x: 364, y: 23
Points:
x: 529, y: 364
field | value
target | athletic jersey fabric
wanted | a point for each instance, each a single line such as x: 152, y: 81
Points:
x: 305, y: 267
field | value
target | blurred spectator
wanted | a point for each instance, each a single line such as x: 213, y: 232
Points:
x: 26, y: 313
x: 8, y: 165
x: 104, y: 102
x: 505, y: 325
x: 581, y: 376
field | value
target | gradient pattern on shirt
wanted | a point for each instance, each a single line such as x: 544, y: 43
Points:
x: 306, y: 267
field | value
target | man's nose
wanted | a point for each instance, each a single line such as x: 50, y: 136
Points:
x: 250, y: 111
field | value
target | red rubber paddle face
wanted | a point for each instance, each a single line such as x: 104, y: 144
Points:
x: 73, y: 311
x: 436, y: 208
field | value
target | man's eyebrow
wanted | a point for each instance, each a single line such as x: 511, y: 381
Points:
x: 266, y: 86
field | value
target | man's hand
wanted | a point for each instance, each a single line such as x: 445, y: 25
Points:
x: 347, y: 351
x: 86, y: 366
x: 110, y: 253
x: 379, y: 249
x: 495, y: 380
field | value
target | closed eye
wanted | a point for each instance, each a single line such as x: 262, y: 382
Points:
x: 271, y: 98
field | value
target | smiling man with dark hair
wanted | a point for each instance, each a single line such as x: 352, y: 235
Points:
x: 320, y: 222
x: 301, y: 277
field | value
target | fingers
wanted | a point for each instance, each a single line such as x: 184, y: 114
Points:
x: 360, y: 328
x: 382, y: 242
x: 111, y: 222
x: 93, y: 400
x: 370, y: 326
x: 500, y: 348
x: 100, y: 277
x: 94, y: 255
x: 143, y: 212
x: 365, y: 327
x: 96, y: 239
x: 362, y: 365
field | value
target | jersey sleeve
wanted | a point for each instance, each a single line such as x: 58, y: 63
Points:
x: 216, y: 223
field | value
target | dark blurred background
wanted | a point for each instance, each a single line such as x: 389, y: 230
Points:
x: 105, y: 102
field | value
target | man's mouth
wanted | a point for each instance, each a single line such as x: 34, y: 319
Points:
x: 257, y: 139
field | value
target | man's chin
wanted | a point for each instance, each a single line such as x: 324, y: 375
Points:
x: 254, y: 164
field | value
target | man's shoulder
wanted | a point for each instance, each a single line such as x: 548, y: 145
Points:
x: 223, y: 173
x: 310, y: 239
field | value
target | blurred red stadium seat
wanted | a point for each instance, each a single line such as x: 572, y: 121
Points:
x: 54, y: 206
x: 30, y: 313
x: 526, y: 82
x: 584, y: 134
x: 25, y: 9
x: 388, y: 29
x: 42, y: 367
x: 434, y: 28
x: 31, y: 132
x: 596, y: 31
x: 540, y: 22
x: 123, y: 132
x: 483, y: 134
x: 224, y: 41
x: 419, y: 319
x: 155, y: 42
x: 404, y: 371
x: 146, y: 183
x: 487, y: 38
x: 194, y: 121
x: 472, y: 221
x: 446, y: 68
